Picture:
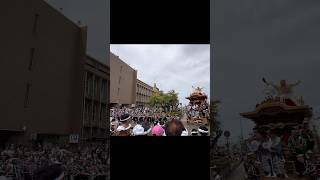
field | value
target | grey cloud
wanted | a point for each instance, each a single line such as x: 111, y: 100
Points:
x: 255, y: 39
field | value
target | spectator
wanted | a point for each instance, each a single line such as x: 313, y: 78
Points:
x: 174, y: 128
x: 146, y: 127
x: 184, y: 132
x: 203, y: 130
x: 157, y: 130
x: 124, y: 129
x: 194, y: 132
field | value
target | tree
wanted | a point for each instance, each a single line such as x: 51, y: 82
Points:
x: 215, y: 129
x: 155, y: 100
x: 214, y: 123
x: 173, y: 99
x: 164, y: 100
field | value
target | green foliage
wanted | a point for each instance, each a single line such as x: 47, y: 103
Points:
x: 165, y: 100
x: 175, y: 112
x: 219, y: 160
x: 214, y: 123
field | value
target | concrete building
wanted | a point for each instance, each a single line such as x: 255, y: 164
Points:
x: 44, y: 68
x: 95, y: 100
x: 125, y: 88
x: 144, y: 92
x: 123, y: 81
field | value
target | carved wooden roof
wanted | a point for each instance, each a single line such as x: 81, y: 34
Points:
x: 278, y: 110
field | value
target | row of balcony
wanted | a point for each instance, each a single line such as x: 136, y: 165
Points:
x: 97, y: 98
x: 99, y: 88
x: 146, y: 93
x: 96, y: 124
x: 143, y: 94
x: 97, y: 116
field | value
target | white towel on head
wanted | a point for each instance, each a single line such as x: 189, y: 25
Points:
x: 138, y: 130
x: 122, y: 128
x: 202, y: 131
x: 185, y: 133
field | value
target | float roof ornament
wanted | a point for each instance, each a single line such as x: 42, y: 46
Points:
x: 281, y: 109
x: 197, y: 94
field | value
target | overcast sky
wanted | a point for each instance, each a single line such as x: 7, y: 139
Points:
x: 254, y: 39
x: 177, y: 67
x: 94, y: 14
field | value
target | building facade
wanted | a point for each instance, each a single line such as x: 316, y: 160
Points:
x: 95, y: 100
x: 144, y: 92
x: 44, y: 64
x: 123, y: 80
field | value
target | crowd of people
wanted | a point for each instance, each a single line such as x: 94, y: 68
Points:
x: 149, y: 122
x: 53, y: 162
x: 136, y: 111
x: 198, y: 110
x: 269, y: 153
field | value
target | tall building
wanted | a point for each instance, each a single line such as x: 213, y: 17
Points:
x: 123, y: 80
x: 144, y: 92
x: 95, y: 100
x: 44, y: 66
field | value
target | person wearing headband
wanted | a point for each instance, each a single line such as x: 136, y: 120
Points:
x: 194, y: 132
x: 142, y: 129
x: 184, y: 132
x: 138, y: 130
x: 203, y: 130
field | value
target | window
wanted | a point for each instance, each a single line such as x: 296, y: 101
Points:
x: 120, y: 69
x: 94, y: 112
x: 89, y: 84
x: 27, y: 95
x: 96, y: 87
x: 87, y: 109
x: 35, y: 23
x: 31, y: 58
x: 118, y: 91
x: 103, y: 114
x: 119, y: 79
x: 90, y: 111
x: 103, y: 89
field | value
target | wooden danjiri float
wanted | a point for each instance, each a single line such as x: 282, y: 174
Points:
x: 282, y: 144
x: 198, y: 107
